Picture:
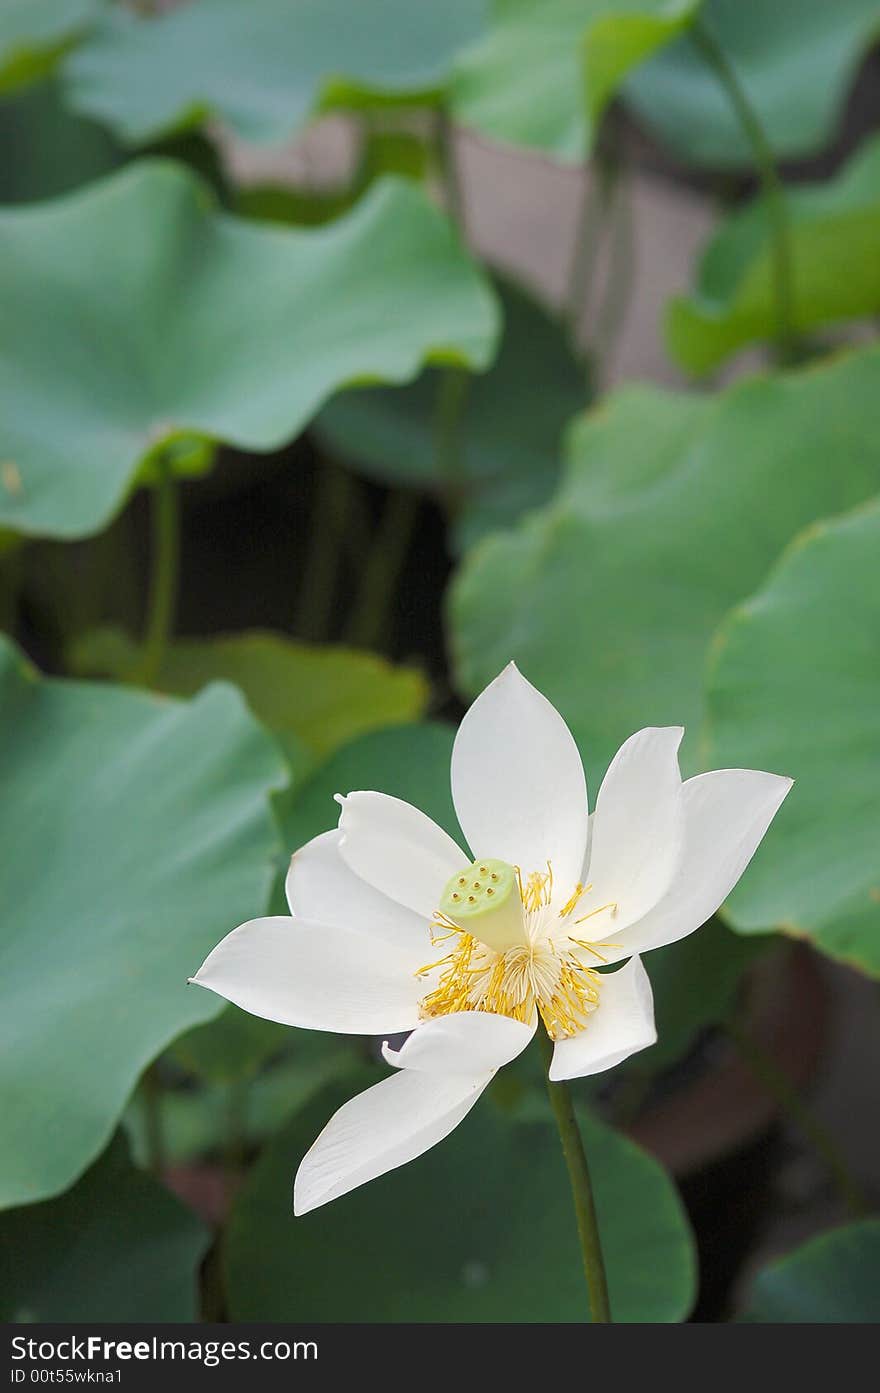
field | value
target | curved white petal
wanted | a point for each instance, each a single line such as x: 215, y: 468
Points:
x: 316, y: 976
x: 621, y: 1024
x: 726, y: 813
x: 382, y: 1128
x: 637, y: 828
x: 398, y: 850
x: 464, y: 1042
x: 518, y: 783
x: 321, y: 886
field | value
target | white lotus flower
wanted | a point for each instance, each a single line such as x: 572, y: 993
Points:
x: 395, y: 928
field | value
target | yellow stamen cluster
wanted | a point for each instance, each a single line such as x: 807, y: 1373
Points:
x: 542, y: 973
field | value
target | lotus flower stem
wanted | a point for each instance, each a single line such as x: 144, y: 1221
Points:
x: 154, y: 1130
x: 331, y: 509
x: 368, y: 623
x: 164, y: 578
x: 774, y: 192
x: 453, y: 383
x: 581, y: 1187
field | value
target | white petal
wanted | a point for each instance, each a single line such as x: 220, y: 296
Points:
x: 637, y: 829
x: 621, y: 1024
x: 322, y: 887
x: 518, y: 783
x: 726, y: 813
x: 397, y: 850
x: 464, y: 1042
x: 388, y: 1125
x: 316, y: 976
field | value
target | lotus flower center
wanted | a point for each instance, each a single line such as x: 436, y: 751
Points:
x: 513, y: 951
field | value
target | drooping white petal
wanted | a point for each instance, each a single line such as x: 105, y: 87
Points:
x: 398, y: 850
x: 621, y: 1024
x: 382, y: 1128
x: 637, y: 829
x: 316, y: 976
x: 464, y: 1042
x: 726, y: 813
x: 322, y: 886
x: 518, y: 783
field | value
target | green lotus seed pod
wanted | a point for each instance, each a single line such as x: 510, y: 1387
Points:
x: 484, y: 900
